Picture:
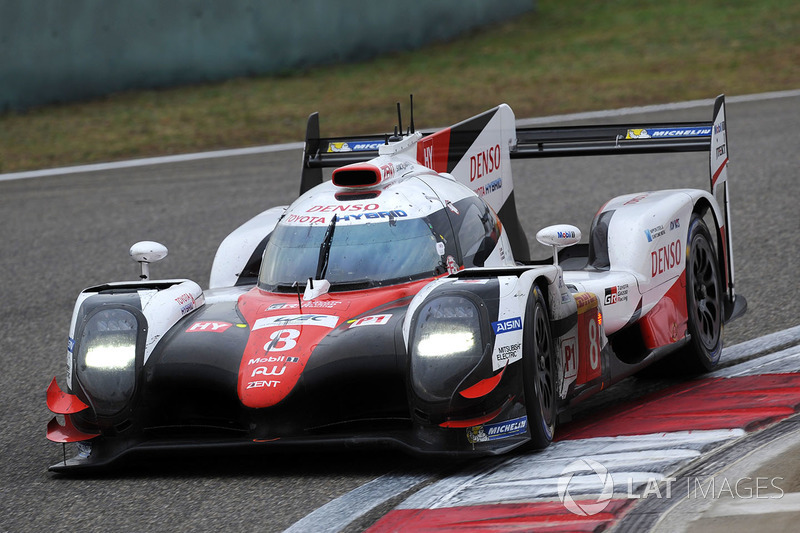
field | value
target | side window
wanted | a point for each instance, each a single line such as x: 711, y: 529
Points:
x: 477, y: 233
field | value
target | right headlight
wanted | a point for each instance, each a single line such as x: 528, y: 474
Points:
x: 446, y: 344
x: 106, y: 359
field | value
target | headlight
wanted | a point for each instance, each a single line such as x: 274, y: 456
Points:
x: 446, y: 345
x: 106, y: 359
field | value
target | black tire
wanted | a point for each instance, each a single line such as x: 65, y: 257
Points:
x: 704, y: 301
x: 539, y: 371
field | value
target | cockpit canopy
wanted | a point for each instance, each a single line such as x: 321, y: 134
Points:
x: 359, y: 244
x: 381, y: 252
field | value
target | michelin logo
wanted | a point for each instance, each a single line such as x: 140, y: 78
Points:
x: 501, y: 430
x: 354, y: 146
x: 654, y: 133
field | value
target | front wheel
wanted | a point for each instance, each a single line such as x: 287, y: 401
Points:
x: 703, y: 301
x: 538, y: 360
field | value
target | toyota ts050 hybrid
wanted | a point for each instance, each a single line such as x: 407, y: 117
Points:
x: 396, y: 303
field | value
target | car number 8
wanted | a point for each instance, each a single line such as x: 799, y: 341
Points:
x: 594, y: 345
x: 282, y: 340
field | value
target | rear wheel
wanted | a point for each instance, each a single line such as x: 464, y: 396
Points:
x: 539, y: 371
x: 703, y: 301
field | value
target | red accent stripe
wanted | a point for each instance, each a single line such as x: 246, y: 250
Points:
x: 61, y: 402
x: 484, y: 386
x: 667, y: 321
x: 538, y: 516
x: 472, y: 421
x: 748, y: 402
x: 717, y: 173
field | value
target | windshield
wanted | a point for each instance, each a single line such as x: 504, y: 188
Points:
x: 360, y: 256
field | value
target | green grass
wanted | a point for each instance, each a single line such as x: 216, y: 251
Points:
x: 570, y: 55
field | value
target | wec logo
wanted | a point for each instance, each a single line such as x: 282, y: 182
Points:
x: 325, y: 321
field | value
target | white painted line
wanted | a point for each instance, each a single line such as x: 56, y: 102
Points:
x: 775, y: 503
x: 299, y: 145
x: 235, y: 152
x: 762, y: 344
x: 783, y: 362
x: 337, y: 514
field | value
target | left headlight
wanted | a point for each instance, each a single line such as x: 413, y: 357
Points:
x: 446, y: 345
x: 106, y: 359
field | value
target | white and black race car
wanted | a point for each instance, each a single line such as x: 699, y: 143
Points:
x: 396, y: 303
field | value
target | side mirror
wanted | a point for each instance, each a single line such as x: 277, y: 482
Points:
x: 146, y: 252
x: 559, y: 236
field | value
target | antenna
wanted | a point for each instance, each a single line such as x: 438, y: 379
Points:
x: 411, y: 100
x: 399, y: 119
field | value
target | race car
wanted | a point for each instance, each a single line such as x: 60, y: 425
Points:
x: 396, y: 304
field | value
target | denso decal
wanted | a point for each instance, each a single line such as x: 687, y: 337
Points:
x: 374, y: 320
x: 334, y: 208
x: 501, y: 430
x: 326, y: 321
x: 504, y: 326
x: 399, y: 213
x: 212, y: 327
x: 666, y: 258
x: 484, y: 163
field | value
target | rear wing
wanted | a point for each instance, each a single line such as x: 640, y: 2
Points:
x: 566, y: 141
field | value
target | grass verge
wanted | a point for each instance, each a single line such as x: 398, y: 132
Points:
x: 568, y: 56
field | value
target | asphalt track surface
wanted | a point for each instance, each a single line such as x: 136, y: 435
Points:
x: 63, y: 233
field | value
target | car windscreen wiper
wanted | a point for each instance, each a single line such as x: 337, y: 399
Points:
x: 325, y: 250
